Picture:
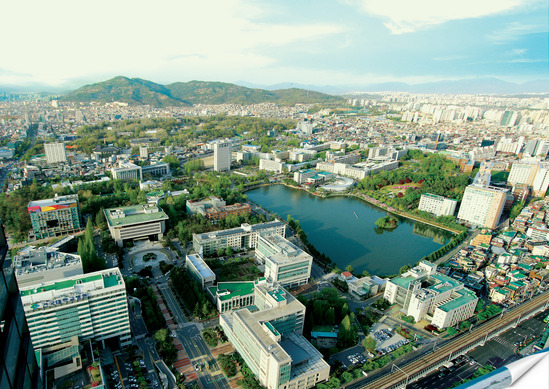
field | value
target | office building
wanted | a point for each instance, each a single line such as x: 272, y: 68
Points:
x: 229, y: 296
x: 271, y: 166
x: 126, y: 171
x: 218, y: 213
x: 285, y: 263
x: 437, y: 205
x: 269, y: 338
x: 90, y: 306
x: 243, y: 237
x: 35, y: 265
x: 54, y: 217
x: 482, y: 205
x: 55, y: 152
x: 18, y: 365
x: 222, y: 155
x: 199, y: 270
x: 145, y: 221
x: 311, y: 177
x: 158, y: 169
x: 425, y: 294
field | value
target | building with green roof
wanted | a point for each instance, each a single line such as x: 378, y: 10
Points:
x: 144, y: 221
x: 90, y: 306
x: 233, y: 295
x: 425, y: 294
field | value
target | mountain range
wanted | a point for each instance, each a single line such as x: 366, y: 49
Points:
x: 136, y: 91
x: 484, y: 85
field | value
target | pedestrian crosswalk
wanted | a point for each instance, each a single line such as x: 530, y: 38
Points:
x: 504, y: 342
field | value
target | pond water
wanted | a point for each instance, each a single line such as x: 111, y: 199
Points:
x: 344, y: 229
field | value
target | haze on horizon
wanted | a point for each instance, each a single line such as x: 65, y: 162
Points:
x: 66, y: 44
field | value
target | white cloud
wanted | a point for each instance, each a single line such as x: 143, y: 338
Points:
x: 402, y: 16
x: 61, y: 40
x: 513, y: 31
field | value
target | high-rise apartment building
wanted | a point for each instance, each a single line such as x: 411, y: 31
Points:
x: 55, y: 152
x: 535, y: 175
x: 269, y: 337
x: 143, y: 152
x: 90, y: 306
x: 54, y: 217
x: 523, y: 173
x: 482, y: 205
x: 222, y: 155
x: 18, y: 366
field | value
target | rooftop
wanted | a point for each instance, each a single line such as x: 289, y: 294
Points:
x: 200, y: 265
x: 63, y: 201
x: 239, y: 230
x: 110, y: 278
x: 135, y: 214
x: 228, y: 290
x: 464, y: 296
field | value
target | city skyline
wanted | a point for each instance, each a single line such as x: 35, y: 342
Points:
x: 345, y: 42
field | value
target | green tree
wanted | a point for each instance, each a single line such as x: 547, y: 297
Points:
x: 349, y: 268
x: 347, y: 377
x: 330, y: 316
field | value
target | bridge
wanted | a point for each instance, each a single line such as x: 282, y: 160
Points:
x: 428, y: 359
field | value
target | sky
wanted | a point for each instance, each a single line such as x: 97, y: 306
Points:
x: 67, y: 43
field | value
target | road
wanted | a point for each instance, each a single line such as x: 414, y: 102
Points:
x: 199, y: 353
x: 171, y: 301
x: 189, y: 335
x: 139, y: 331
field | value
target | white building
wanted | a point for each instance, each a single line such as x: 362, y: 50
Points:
x: 243, y: 237
x: 145, y: 221
x: 425, y: 294
x: 482, y: 205
x: 36, y: 265
x: 285, y: 263
x: 126, y: 171
x: 523, y: 173
x: 143, y: 152
x: 437, y: 205
x: 222, y: 155
x: 270, y: 340
x: 55, y: 152
x: 158, y: 169
x: 200, y: 206
x: 271, y: 166
x: 229, y: 296
x: 366, y: 286
x: 90, y: 306
x: 198, y: 269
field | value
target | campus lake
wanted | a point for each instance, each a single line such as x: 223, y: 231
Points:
x: 344, y: 229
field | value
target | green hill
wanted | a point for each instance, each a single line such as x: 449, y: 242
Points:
x: 136, y: 91
x: 133, y: 91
